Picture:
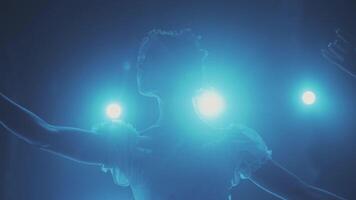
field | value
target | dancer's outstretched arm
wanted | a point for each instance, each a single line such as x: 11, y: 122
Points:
x: 274, y: 179
x: 76, y: 144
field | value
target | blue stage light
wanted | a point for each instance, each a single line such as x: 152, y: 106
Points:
x: 114, y: 111
x: 308, y: 97
x: 209, y: 104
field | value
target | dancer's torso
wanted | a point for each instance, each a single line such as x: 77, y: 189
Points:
x: 197, y: 167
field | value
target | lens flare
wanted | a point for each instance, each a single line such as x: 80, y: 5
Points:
x: 114, y: 111
x: 209, y: 104
x: 309, y: 98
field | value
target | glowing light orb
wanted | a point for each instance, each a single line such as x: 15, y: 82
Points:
x: 209, y: 104
x: 113, y: 111
x: 309, y: 97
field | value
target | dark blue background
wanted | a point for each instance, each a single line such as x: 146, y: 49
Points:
x: 65, y: 59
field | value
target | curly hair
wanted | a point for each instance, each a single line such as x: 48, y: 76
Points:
x: 180, y: 45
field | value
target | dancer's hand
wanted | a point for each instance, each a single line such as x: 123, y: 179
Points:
x: 342, y: 52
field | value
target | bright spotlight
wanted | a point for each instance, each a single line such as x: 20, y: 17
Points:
x: 113, y: 111
x: 309, y: 97
x: 209, y: 104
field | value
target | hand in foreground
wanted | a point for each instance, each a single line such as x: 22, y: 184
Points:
x: 342, y: 52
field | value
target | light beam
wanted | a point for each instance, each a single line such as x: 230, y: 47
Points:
x: 114, y: 111
x: 309, y: 97
x: 209, y: 104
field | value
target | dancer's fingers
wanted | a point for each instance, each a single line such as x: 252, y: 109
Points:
x: 345, y: 37
x: 330, y: 57
x: 341, y: 46
x: 335, y: 52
